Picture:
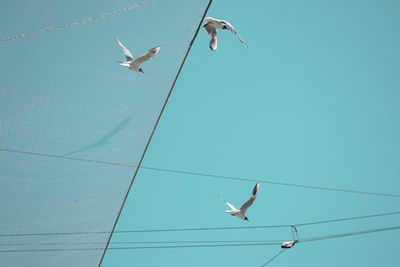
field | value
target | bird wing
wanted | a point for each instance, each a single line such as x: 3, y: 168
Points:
x: 127, y: 53
x: 227, y: 203
x: 209, y: 29
x: 146, y: 56
x: 230, y: 27
x: 250, y: 201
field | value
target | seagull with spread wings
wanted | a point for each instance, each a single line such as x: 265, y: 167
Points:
x: 134, y: 63
x: 240, y: 213
x: 211, y: 27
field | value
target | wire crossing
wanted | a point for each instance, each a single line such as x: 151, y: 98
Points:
x: 75, y: 23
x: 336, y: 236
x: 203, y: 228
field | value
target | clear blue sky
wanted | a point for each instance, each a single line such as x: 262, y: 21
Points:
x: 314, y: 100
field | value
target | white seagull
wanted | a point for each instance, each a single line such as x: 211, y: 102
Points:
x: 134, y: 63
x: 240, y: 213
x: 211, y: 30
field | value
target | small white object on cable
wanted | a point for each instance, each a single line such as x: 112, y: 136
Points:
x: 289, y: 244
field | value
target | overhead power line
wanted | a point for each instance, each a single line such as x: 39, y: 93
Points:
x: 270, y: 182
x: 203, y: 228
x: 199, y: 174
x: 349, y: 218
x: 249, y: 243
x: 349, y: 234
x: 76, y: 22
x: 144, y: 247
x: 148, y: 230
x: 36, y: 154
x: 274, y: 257
x: 140, y: 242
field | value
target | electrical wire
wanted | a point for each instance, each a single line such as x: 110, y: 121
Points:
x: 202, y: 229
x: 66, y: 157
x: 140, y: 242
x: 349, y: 234
x: 200, y: 174
x: 270, y: 182
x: 75, y: 23
x: 249, y: 243
x: 144, y: 247
x: 349, y: 218
x: 274, y: 257
x: 148, y: 230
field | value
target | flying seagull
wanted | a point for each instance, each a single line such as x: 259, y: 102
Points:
x: 240, y: 213
x: 134, y: 63
x: 211, y: 27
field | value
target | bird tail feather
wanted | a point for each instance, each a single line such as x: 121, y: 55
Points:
x: 126, y: 64
x: 232, y: 211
